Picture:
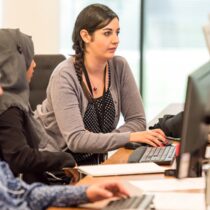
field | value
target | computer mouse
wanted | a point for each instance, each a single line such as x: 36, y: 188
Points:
x: 133, y: 145
x: 167, y: 143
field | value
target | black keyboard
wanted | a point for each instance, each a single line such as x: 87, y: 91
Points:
x: 160, y: 155
x: 135, y: 202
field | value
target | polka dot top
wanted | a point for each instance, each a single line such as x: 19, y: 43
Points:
x: 95, y: 112
x: 93, y: 122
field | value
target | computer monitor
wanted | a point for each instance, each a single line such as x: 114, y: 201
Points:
x: 195, y: 129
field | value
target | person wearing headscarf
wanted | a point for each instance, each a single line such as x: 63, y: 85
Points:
x: 20, y: 133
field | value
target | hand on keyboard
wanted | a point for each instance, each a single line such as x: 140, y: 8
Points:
x: 155, y: 137
x: 106, y: 190
x: 167, y: 143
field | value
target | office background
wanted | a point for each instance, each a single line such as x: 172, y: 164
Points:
x: 173, y: 41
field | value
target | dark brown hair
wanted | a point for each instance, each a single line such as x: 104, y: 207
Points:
x: 91, y: 18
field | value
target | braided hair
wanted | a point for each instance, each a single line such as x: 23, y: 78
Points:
x: 91, y: 18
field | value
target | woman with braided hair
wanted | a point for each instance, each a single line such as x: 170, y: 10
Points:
x: 88, y: 91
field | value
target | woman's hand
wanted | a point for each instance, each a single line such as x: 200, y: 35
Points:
x: 97, y: 192
x: 155, y: 138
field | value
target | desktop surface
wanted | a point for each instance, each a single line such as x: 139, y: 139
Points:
x: 121, y: 157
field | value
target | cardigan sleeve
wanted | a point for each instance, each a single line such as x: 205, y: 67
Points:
x: 129, y: 98
x: 16, y: 151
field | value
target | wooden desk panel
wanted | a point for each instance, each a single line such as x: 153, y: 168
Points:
x: 121, y: 156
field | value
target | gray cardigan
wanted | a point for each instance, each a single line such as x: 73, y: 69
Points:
x: 61, y: 113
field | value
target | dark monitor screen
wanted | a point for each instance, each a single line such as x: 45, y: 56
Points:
x: 195, y: 129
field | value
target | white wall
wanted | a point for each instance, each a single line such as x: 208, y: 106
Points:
x: 38, y: 18
x: 1, y: 13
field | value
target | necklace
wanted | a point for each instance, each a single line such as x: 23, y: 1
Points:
x: 91, y: 86
x: 100, y: 118
x: 94, y: 88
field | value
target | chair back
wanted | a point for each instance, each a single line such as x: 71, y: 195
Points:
x: 45, y: 64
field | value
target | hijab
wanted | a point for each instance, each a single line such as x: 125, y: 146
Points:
x: 16, y: 55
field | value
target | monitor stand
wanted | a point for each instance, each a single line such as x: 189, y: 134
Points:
x: 195, y: 169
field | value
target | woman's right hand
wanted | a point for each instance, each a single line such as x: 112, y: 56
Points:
x: 97, y: 192
x: 155, y: 138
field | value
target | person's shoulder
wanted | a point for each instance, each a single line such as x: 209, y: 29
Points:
x: 65, y: 64
x: 13, y: 115
x: 14, y: 110
x: 119, y: 65
x: 120, y: 60
x: 65, y: 68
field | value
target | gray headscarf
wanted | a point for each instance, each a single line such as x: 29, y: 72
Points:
x: 16, y: 55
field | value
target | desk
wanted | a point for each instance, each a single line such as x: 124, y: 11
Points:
x: 121, y: 156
